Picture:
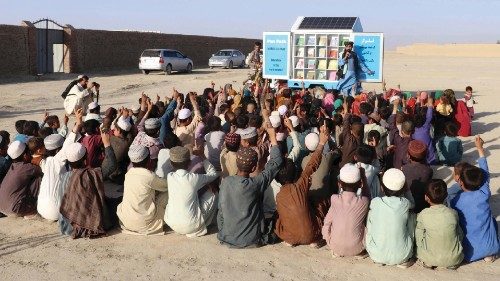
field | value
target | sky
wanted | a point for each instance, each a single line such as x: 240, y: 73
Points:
x: 403, y: 22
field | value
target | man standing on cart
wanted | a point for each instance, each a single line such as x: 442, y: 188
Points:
x: 349, y: 67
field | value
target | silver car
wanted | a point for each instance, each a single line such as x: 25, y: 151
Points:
x: 166, y: 60
x: 227, y: 58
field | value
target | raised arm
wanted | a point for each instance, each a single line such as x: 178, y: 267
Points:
x: 273, y: 165
x: 109, y: 156
x: 315, y: 161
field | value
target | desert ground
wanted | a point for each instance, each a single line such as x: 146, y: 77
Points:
x: 34, y: 249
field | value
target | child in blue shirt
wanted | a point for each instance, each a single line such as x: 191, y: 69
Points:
x: 474, y: 212
x: 449, y: 148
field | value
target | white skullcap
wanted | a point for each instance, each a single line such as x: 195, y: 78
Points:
x: 247, y: 133
x: 282, y: 110
x: 184, y: 114
x: 137, y: 153
x: 312, y: 141
x: 394, y: 179
x: 393, y: 98
x: 16, y: 149
x: 294, y: 120
x: 135, y: 108
x: 75, y: 152
x: 93, y: 105
x: 124, y: 124
x: 249, y: 82
x: 275, y: 113
x: 79, y: 76
x: 349, y: 174
x: 275, y: 121
x: 53, y: 142
x: 152, y: 123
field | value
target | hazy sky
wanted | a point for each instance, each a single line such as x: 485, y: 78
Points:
x: 403, y: 22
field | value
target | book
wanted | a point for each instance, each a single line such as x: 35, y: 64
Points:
x: 311, y: 64
x: 322, y: 40
x: 300, y: 63
x: 310, y: 75
x: 333, y: 54
x: 311, y: 40
x: 321, y: 64
x: 321, y: 75
x: 332, y: 65
x: 300, y: 52
x: 332, y: 76
x: 334, y: 41
x: 310, y: 52
x: 299, y: 74
x: 300, y: 40
x: 322, y: 52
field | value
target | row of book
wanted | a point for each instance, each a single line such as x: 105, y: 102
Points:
x: 317, y: 64
x: 316, y: 75
x: 300, y: 40
x: 322, y: 52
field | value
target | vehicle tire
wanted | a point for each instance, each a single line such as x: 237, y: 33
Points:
x: 189, y: 68
x: 242, y: 65
x: 168, y: 69
x: 145, y: 72
x: 230, y: 65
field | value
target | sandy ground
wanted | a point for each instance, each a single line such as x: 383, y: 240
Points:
x: 35, y: 250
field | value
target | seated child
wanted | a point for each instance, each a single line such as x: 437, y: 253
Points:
x: 190, y: 208
x: 373, y: 140
x: 241, y: 217
x: 474, y: 211
x: 444, y: 107
x: 438, y: 235
x: 144, y: 196
x: 5, y: 160
x: 390, y: 227
x: 37, y: 150
x: 417, y: 173
x: 344, y: 227
x: 297, y: 222
x: 449, y: 148
x: 469, y: 101
x: 365, y: 158
x: 19, y: 188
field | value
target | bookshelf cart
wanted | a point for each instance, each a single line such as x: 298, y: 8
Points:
x: 314, y: 46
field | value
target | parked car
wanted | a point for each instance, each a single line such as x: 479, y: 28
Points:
x: 227, y: 58
x: 166, y: 60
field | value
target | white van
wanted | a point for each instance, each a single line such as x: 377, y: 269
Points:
x: 165, y: 60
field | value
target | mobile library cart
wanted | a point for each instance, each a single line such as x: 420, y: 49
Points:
x: 310, y: 52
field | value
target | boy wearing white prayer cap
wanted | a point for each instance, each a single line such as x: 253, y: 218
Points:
x: 19, y: 188
x: 391, y: 224
x: 120, y: 142
x: 149, y: 134
x: 144, y: 196
x: 344, y: 226
x: 187, y: 123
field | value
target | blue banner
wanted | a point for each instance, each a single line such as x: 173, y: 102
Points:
x: 276, y: 50
x: 369, y: 48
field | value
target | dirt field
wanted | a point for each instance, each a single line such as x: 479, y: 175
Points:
x: 34, y: 249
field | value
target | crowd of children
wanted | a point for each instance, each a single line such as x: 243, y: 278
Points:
x: 305, y: 167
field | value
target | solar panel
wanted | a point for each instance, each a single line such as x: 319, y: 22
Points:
x: 327, y: 23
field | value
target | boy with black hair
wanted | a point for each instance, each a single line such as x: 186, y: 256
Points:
x: 20, y: 131
x: 418, y: 173
x: 93, y: 143
x: 241, y: 216
x: 365, y: 158
x: 298, y: 223
x: 19, y: 188
x: 351, y: 138
x: 344, y: 227
x: 52, y: 122
x: 37, y: 150
x: 373, y: 140
x: 365, y: 109
x: 390, y: 226
x: 474, y: 211
x: 400, y: 138
x: 438, y: 235
x: 449, y: 147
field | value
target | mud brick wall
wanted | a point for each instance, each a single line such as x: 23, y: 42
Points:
x: 104, y: 50
x: 14, y: 50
